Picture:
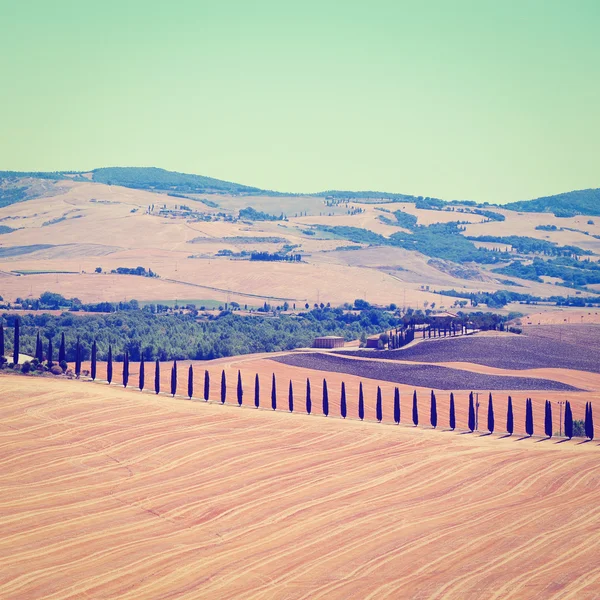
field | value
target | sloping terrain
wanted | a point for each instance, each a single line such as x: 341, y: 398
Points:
x: 421, y: 375
x: 505, y: 352
x: 188, y: 229
x: 109, y: 493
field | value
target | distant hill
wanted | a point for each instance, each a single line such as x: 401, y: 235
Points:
x: 580, y: 202
x: 151, y: 178
x: 568, y: 204
x: 142, y: 178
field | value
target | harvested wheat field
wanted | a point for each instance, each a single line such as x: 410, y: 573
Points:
x: 111, y: 493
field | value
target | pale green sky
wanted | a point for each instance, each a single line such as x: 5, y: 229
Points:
x: 479, y: 99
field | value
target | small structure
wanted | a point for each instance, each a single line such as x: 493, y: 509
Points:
x: 443, y: 316
x: 329, y: 341
x: 373, y: 341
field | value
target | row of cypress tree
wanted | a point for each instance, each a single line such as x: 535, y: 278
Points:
x: 433, y: 418
x: 472, y: 425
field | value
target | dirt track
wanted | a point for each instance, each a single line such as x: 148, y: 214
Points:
x: 111, y: 493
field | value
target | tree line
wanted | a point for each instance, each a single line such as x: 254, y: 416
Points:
x: 473, y: 425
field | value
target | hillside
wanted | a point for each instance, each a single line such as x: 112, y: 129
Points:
x: 568, y: 204
x: 111, y: 493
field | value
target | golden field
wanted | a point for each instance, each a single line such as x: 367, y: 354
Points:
x: 112, y: 493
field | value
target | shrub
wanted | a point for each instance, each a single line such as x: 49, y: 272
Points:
x: 63, y: 365
x: 26, y: 367
x: 56, y: 370
x: 579, y: 428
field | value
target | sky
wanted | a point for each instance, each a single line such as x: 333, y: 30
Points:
x: 455, y: 99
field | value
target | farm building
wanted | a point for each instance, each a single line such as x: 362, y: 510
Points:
x: 443, y: 316
x: 373, y: 341
x: 328, y: 341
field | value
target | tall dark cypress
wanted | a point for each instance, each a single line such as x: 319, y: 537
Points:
x: 49, y: 357
x: 510, y: 422
x: 273, y: 393
x: 142, y: 374
x: 529, y: 417
x: 452, y: 420
x: 39, y: 352
x: 174, y: 379
x: 433, y: 416
x: 240, y: 389
x: 190, y: 382
x: 308, y: 397
x: 291, y: 397
x: 62, y: 350
x: 378, y: 406
x: 361, y: 402
x: 17, y: 342
x: 78, y: 358
x: 343, y: 405
x: 223, y: 387
x: 490, y: 420
x: 415, y: 409
x: 471, y: 413
x: 94, y: 360
x: 325, y: 398
x: 125, y: 369
x: 548, y: 419
x: 1, y: 340
x: 591, y: 423
x: 206, y: 385
x: 157, y: 377
x: 109, y: 365
x: 396, y: 406
x: 568, y: 420
x: 256, y: 391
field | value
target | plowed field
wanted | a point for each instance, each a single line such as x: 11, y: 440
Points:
x: 112, y: 493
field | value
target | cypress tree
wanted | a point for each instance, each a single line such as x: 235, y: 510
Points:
x: 529, y: 417
x: 223, y: 387
x: 240, y: 389
x: 190, y: 382
x: 273, y: 393
x: 39, y: 353
x: 378, y: 407
x: 157, y: 376
x: 78, y: 359
x: 568, y: 420
x: 490, y: 420
x: 396, y: 406
x: 256, y: 391
x: 291, y: 397
x: 49, y: 357
x: 125, y: 369
x: 591, y: 423
x: 17, y: 342
x: 109, y: 365
x: 325, y: 398
x: 433, y: 415
x: 174, y: 379
x: 510, y: 423
x: 94, y: 360
x: 452, y: 413
x: 361, y: 402
x: 1, y: 340
x: 471, y: 413
x: 548, y: 419
x: 62, y: 350
x: 206, y: 385
x: 308, y: 398
x: 343, y: 407
x: 142, y: 374
x: 415, y: 410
